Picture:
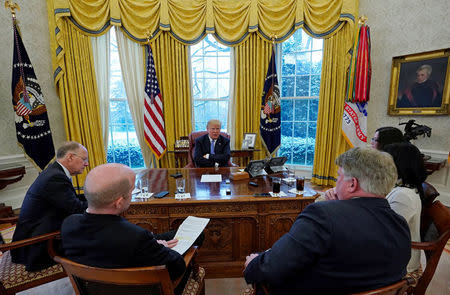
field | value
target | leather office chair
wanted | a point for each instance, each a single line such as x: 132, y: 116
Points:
x: 139, y: 280
x: 439, y: 215
x: 13, y: 277
x: 192, y: 137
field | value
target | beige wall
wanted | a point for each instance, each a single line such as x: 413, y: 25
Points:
x: 403, y: 27
x: 32, y: 19
x: 397, y: 28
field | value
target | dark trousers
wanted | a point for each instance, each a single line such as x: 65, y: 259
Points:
x: 198, y: 242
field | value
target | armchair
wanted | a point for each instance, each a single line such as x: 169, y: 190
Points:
x: 13, y: 277
x: 192, y: 137
x: 139, y: 280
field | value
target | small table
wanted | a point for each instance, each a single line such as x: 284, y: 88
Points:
x: 241, y: 156
x: 434, y: 164
x: 10, y: 173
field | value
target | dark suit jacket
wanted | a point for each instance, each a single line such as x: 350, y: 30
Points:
x: 336, y: 247
x: 221, y: 151
x: 110, y: 241
x: 49, y: 200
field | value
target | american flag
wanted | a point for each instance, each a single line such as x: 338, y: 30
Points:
x: 154, y: 133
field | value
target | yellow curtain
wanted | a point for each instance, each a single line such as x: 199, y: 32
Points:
x: 77, y: 91
x: 172, y: 70
x: 329, y: 140
x: 251, y: 60
x: 188, y: 21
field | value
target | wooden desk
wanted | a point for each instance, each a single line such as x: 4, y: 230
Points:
x: 240, y: 223
x: 240, y: 157
x: 10, y: 173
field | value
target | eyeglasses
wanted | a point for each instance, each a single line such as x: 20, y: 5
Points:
x: 86, y: 160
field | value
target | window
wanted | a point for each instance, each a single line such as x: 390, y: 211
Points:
x: 301, y: 65
x: 210, y: 65
x: 123, y: 145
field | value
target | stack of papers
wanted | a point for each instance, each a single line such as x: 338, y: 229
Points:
x: 188, y: 232
x: 211, y: 178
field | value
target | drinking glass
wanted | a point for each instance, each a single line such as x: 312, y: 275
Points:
x: 180, y: 182
x: 300, y: 183
x: 276, y: 186
x: 144, y: 185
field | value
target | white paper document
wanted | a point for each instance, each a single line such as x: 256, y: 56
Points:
x: 188, y: 232
x: 211, y: 178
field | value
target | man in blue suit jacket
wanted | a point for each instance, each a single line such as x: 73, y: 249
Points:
x: 351, y: 244
x: 212, y: 148
x: 102, y: 238
x: 49, y: 200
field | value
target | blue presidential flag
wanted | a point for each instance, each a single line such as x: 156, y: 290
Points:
x: 270, y: 121
x: 32, y: 126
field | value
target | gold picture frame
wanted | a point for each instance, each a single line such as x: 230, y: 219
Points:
x: 420, y: 84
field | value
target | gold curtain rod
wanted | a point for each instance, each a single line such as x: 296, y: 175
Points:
x: 12, y: 6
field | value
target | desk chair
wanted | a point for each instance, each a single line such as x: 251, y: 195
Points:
x: 139, y: 280
x: 13, y: 277
x: 439, y: 215
x: 192, y: 137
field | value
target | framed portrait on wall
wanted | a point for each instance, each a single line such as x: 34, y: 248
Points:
x: 420, y: 84
x: 249, y: 141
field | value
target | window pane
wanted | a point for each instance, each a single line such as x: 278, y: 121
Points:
x: 210, y: 88
x: 313, y: 109
x: 316, y: 65
x: 210, y: 60
x: 223, y: 89
x: 303, y: 63
x: 287, y: 87
x: 287, y: 110
x: 302, y: 86
x: 315, y: 85
x: 288, y: 67
x: 117, y: 112
x: 301, y: 68
x: 301, y: 110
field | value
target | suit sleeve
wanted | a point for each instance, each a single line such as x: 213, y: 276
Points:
x: 222, y: 156
x: 294, y: 252
x: 156, y: 254
x: 60, y: 193
x: 199, y: 151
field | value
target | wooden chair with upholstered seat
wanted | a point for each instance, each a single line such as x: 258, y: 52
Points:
x: 192, y: 137
x: 439, y: 215
x: 397, y: 288
x: 139, y: 280
x: 13, y: 277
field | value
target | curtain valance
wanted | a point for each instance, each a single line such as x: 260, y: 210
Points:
x: 189, y: 20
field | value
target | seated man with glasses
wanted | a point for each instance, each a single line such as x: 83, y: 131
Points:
x: 49, y: 200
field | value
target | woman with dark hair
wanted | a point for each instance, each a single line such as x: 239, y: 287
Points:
x: 386, y: 135
x: 405, y: 198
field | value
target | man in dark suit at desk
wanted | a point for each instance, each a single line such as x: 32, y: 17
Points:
x: 100, y: 237
x: 353, y: 243
x: 49, y: 200
x: 212, y: 148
